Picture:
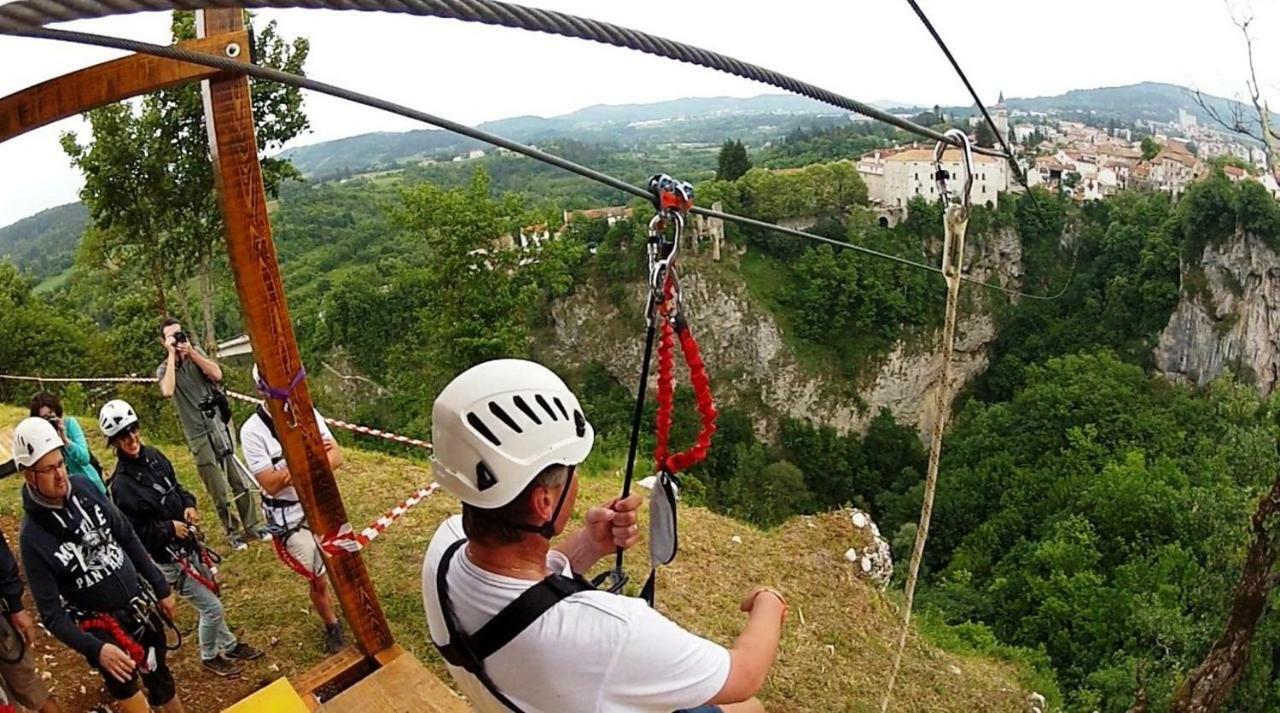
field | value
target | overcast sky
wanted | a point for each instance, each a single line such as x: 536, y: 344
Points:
x: 868, y: 49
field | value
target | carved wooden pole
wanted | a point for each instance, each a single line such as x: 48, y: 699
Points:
x: 238, y: 175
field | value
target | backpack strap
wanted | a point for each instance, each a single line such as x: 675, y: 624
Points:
x: 469, y: 651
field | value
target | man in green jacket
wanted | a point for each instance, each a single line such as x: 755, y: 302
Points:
x: 190, y: 378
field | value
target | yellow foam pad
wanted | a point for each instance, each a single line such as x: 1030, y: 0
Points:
x: 279, y: 697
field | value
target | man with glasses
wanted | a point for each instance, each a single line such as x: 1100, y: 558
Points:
x: 96, y: 588
x: 163, y: 513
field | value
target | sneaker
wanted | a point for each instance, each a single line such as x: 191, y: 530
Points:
x: 333, y: 639
x: 243, y: 652
x: 223, y: 666
x: 263, y: 535
x: 236, y: 542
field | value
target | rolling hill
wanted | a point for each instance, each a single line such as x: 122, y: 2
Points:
x: 46, y: 242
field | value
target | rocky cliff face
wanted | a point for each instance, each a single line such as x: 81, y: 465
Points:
x: 750, y: 361
x: 1228, y: 322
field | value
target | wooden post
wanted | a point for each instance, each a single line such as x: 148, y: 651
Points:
x: 238, y: 175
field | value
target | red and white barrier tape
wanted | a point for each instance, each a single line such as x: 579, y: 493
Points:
x: 348, y: 540
x: 345, y: 425
x: 94, y: 379
x: 353, y: 427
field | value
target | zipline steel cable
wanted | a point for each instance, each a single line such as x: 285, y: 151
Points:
x: 24, y: 15
x: 275, y: 75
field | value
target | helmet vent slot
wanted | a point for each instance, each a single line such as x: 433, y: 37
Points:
x: 524, y: 406
x: 482, y: 429
x: 546, y: 407
x: 496, y: 410
x: 579, y: 423
x: 484, y: 477
x: 560, y: 405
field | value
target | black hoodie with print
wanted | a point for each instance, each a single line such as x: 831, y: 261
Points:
x: 147, y: 491
x: 86, y: 555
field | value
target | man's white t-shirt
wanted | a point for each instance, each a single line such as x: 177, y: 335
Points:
x: 262, y: 451
x: 593, y: 652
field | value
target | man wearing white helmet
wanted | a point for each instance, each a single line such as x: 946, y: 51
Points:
x: 518, y: 626
x: 295, y: 544
x: 96, y: 588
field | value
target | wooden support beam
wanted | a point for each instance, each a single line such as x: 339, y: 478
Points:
x: 113, y: 81
x: 238, y: 173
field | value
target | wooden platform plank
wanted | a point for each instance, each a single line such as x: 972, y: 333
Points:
x: 402, y: 686
x: 346, y: 662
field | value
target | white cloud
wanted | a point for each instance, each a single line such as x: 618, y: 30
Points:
x: 867, y: 50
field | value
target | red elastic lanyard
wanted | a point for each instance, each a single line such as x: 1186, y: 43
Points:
x: 193, y: 573
x: 674, y: 325
x: 111, y: 627
x: 287, y: 557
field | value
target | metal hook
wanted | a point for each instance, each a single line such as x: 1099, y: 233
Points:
x: 941, y: 175
x: 662, y: 254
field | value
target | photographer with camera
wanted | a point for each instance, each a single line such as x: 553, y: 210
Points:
x: 79, y: 460
x: 191, y: 379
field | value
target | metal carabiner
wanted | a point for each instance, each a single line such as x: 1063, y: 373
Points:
x: 662, y: 252
x: 941, y: 175
x: 955, y: 214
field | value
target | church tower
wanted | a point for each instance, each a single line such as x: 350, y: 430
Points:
x: 1000, y: 115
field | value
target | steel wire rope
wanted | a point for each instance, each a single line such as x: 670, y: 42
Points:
x: 1004, y: 143
x: 275, y: 75
x: 22, y: 15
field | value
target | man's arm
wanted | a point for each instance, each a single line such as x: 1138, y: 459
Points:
x: 608, y: 527
x: 753, y: 653
x: 10, y: 581
x: 167, y: 374
x: 211, y: 369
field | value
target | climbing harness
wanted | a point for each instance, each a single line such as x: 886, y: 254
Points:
x: 955, y: 218
x: 193, y: 554
x: 673, y: 200
x: 468, y: 652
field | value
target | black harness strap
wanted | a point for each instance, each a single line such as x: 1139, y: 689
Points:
x: 469, y: 651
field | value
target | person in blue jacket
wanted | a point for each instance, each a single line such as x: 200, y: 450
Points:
x: 79, y: 460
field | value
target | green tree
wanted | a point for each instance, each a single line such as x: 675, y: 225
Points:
x: 1149, y: 148
x: 149, y: 180
x: 733, y: 162
x: 985, y: 136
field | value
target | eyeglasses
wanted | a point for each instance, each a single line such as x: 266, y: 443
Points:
x: 52, y: 468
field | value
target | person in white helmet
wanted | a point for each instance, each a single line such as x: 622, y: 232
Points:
x: 296, y: 546
x: 163, y: 513
x: 518, y: 627
x: 96, y: 588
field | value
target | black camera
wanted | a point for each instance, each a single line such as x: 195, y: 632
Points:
x: 179, y: 337
x: 209, y: 406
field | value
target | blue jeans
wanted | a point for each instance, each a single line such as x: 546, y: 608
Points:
x: 215, y: 637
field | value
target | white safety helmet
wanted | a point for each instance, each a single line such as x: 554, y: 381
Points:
x: 33, y: 439
x: 115, y: 416
x: 499, y: 424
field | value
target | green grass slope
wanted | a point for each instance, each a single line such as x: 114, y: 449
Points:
x: 836, y: 652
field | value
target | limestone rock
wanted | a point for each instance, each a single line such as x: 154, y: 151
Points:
x: 871, y: 557
x: 1229, y: 322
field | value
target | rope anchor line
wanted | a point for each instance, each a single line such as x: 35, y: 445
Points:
x: 955, y: 224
